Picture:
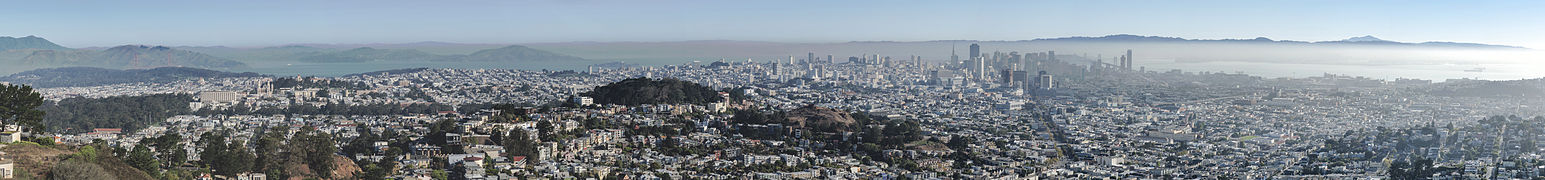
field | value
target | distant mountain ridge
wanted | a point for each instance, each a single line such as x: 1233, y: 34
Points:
x: 1366, y: 40
x: 93, y: 76
x: 28, y: 42
x: 511, y: 53
x: 518, y: 52
x: 141, y: 56
x: 32, y: 50
x: 366, y: 54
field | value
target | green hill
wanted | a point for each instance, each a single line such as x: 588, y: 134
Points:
x: 638, y: 91
x: 29, y: 42
x: 128, y: 56
x: 366, y: 54
x: 518, y: 53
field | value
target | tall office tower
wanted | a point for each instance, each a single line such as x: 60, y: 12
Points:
x: 1015, y: 59
x: 981, y: 68
x: 976, y: 51
x: 1045, y: 80
x: 876, y: 59
x: 829, y: 59
x: 1022, y: 79
x: 1121, y: 62
x: 1005, y: 76
x: 810, y: 58
x: 1051, y: 55
x: 791, y: 59
x: 775, y: 71
x: 1129, y: 59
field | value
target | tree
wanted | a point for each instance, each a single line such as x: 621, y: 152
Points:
x: 141, y: 158
x: 519, y: 143
x: 268, y: 157
x: 239, y: 155
x: 323, y: 93
x: 960, y: 143
x: 79, y: 115
x: 18, y: 105
x: 72, y: 170
x: 89, y: 153
x: 212, y: 152
x: 545, y: 130
x: 439, y: 175
x: 316, y: 150
x: 169, y: 150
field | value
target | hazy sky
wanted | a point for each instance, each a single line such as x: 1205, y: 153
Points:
x: 271, y: 22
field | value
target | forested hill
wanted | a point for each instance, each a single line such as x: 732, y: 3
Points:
x: 29, y: 42
x: 79, y: 115
x: 638, y: 91
x: 1485, y: 88
x: 91, y: 76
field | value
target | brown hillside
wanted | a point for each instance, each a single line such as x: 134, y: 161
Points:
x: 344, y: 169
x: 820, y: 119
x: 39, y: 160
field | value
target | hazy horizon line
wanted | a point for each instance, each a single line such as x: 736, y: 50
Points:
x: 726, y: 40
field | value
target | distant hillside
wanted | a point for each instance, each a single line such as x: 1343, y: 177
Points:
x: 129, y: 56
x: 80, y: 115
x: 29, y: 42
x: 91, y: 76
x: 40, y: 162
x: 518, y: 53
x: 638, y: 91
x: 387, y: 72
x: 366, y: 54
x: 283, y: 53
x: 1361, y: 40
x: 514, y: 53
x: 160, y: 56
x: 820, y: 119
x: 1526, y: 88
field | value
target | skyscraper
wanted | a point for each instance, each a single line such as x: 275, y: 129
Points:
x: 1121, y: 63
x: 1128, y: 61
x: 953, y: 58
x: 809, y: 58
x: 1005, y: 76
x: 1045, y: 81
x: 981, y: 68
x: 976, y: 51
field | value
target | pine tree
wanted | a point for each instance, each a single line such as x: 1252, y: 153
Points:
x: 18, y: 105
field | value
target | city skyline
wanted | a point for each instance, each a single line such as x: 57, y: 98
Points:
x: 678, y: 89
x: 249, y: 24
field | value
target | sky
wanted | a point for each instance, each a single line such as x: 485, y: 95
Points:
x: 278, y: 22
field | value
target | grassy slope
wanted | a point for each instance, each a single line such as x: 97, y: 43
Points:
x: 38, y: 160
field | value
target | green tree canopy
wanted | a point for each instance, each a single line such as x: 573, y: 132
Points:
x: 18, y: 105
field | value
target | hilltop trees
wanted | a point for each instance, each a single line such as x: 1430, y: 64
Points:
x: 78, y: 115
x: 308, y: 153
x: 18, y: 105
x: 224, y: 158
x: 636, y: 91
x: 519, y: 143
